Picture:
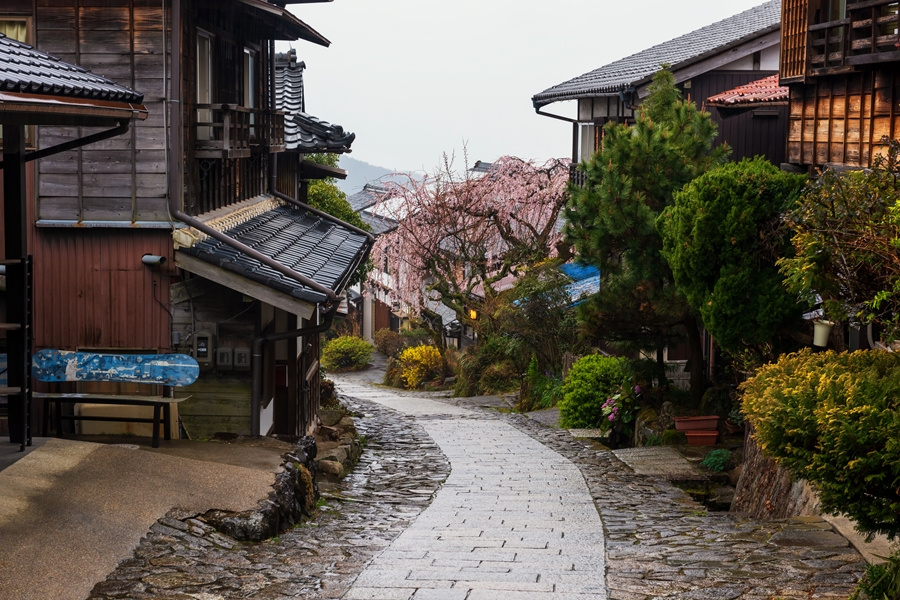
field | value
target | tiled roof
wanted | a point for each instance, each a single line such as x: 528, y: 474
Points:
x: 760, y: 91
x: 302, y: 131
x: 26, y: 70
x: 366, y: 197
x: 379, y: 225
x: 639, y: 68
x: 312, y: 246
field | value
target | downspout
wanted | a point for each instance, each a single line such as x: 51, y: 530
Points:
x: 257, y: 363
x: 176, y: 174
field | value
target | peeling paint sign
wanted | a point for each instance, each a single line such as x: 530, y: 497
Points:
x: 161, y: 369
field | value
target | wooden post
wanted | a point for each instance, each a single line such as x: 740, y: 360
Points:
x: 17, y: 307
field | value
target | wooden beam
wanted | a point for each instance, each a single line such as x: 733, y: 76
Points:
x: 194, y: 265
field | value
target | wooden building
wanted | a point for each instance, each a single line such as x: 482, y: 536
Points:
x: 721, y: 56
x: 174, y: 237
x: 840, y: 59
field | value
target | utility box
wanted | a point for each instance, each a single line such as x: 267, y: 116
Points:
x: 205, y: 349
x: 242, y: 359
x: 225, y: 359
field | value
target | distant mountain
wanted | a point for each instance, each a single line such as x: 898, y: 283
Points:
x: 359, y: 173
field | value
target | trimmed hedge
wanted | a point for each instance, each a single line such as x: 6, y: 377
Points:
x: 591, y: 380
x: 834, y: 419
x: 347, y: 353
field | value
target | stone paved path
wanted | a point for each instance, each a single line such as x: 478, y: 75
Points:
x: 514, y: 519
x: 395, y: 479
x: 373, y: 540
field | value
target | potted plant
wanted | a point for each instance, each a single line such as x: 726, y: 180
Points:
x: 734, y: 423
x: 703, y: 423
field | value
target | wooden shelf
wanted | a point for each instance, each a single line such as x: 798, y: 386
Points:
x: 6, y: 391
x: 10, y: 326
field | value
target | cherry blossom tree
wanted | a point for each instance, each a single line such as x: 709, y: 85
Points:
x: 462, y: 239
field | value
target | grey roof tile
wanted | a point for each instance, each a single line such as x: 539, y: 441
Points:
x: 379, y: 225
x: 639, y: 68
x: 312, y: 246
x: 366, y: 197
x: 26, y: 70
x: 302, y: 131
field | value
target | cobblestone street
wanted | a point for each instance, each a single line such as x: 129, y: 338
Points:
x: 516, y: 518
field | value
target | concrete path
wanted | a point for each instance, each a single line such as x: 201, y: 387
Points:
x: 70, y: 510
x: 513, y: 520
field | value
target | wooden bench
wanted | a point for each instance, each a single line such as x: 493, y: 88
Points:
x: 169, y: 370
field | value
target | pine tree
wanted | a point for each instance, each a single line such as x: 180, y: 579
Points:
x: 611, y: 222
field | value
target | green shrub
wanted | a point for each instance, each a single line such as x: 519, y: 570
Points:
x: 539, y: 389
x: 420, y: 364
x: 491, y: 350
x: 346, y: 353
x: 834, y: 419
x: 388, y: 342
x: 672, y: 437
x: 499, y: 377
x: 881, y: 581
x: 591, y: 380
x: 717, y: 460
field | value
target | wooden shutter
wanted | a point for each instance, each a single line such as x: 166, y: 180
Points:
x: 794, y: 34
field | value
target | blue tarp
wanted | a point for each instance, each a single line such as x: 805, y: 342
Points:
x: 585, y: 281
x: 579, y: 272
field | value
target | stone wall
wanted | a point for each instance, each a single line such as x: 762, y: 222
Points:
x: 767, y: 491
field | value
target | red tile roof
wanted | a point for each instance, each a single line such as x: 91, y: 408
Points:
x: 761, y: 91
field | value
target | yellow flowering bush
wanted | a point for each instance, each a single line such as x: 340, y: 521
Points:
x: 834, y: 419
x: 419, y: 364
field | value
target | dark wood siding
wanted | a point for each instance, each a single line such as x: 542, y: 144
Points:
x: 841, y: 119
x: 122, y: 178
x: 761, y: 132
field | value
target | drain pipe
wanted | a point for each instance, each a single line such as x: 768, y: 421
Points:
x: 176, y: 185
x: 257, y: 362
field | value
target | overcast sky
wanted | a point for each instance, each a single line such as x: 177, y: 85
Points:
x: 416, y: 78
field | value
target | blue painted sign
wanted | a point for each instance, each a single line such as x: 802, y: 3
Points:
x: 162, y: 369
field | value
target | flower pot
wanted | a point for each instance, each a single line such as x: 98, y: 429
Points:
x: 821, y: 332
x: 696, y: 423
x: 732, y: 428
x: 702, y: 437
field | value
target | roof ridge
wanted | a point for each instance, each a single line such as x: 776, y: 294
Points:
x: 621, y: 73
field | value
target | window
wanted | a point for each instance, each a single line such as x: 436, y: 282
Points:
x: 250, y: 87
x: 15, y: 28
x: 204, y: 84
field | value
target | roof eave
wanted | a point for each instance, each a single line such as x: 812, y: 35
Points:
x: 33, y: 109
x: 545, y: 99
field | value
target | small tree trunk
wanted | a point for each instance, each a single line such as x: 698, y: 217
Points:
x: 695, y: 341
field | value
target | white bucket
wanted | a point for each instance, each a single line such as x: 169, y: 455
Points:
x: 822, y: 330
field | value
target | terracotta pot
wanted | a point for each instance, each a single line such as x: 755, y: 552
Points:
x: 696, y: 423
x: 702, y: 438
x: 732, y: 428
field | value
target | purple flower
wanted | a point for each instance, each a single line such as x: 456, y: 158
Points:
x: 612, y: 417
x: 637, y: 389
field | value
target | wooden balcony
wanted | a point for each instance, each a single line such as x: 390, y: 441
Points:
x: 576, y: 177
x: 223, y: 131
x: 868, y: 34
x: 231, y: 131
x: 267, y: 134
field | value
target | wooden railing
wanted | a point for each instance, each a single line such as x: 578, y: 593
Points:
x: 223, y: 131
x: 268, y: 134
x: 576, y: 177
x: 868, y: 34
